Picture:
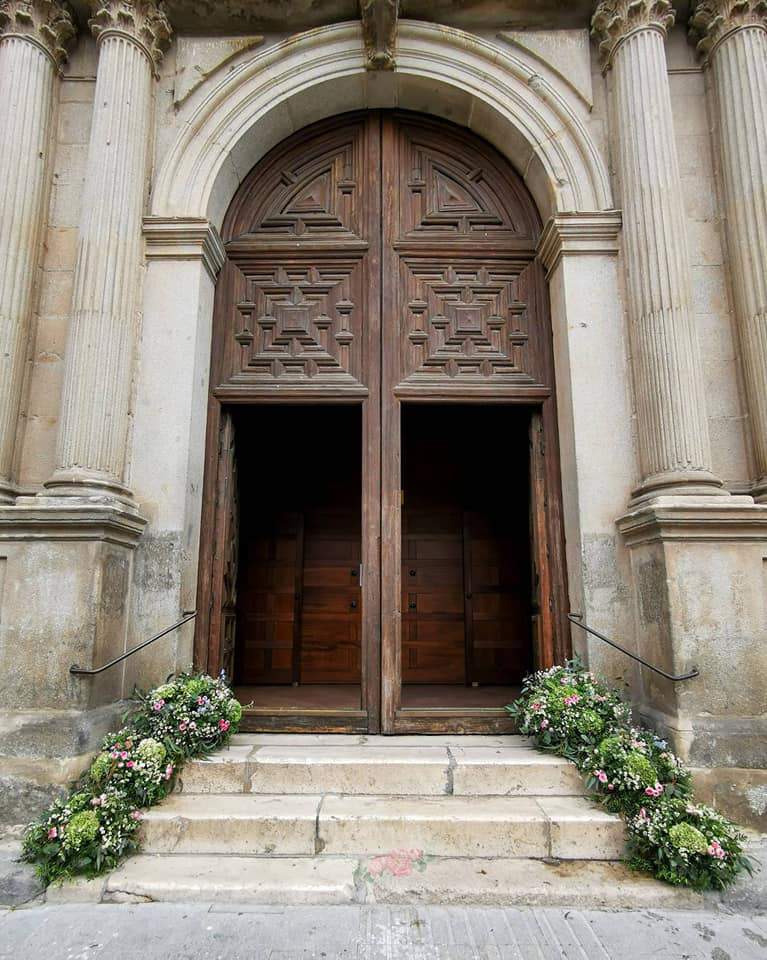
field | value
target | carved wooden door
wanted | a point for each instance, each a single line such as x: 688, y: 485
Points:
x: 383, y: 259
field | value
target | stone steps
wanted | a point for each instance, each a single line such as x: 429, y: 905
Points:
x: 380, y: 766
x: 351, y: 819
x: 338, y: 880
x: 444, y: 826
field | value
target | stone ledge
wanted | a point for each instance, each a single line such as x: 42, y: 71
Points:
x: 695, y: 518
x: 184, y: 238
x: 30, y: 521
x: 567, y: 234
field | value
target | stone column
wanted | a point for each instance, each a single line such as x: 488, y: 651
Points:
x: 93, y: 433
x: 674, y: 450
x: 731, y: 36
x: 33, y: 39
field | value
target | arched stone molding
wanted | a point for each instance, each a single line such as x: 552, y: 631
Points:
x: 508, y: 96
x: 230, y: 123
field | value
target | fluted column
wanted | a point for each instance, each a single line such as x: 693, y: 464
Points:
x: 674, y: 449
x: 731, y: 36
x: 33, y: 39
x: 93, y: 432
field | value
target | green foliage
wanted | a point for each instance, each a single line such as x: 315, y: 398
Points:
x: 684, y: 836
x: 568, y: 711
x: 93, y: 828
x: 640, y: 767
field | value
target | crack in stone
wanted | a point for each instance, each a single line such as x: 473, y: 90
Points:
x: 451, y: 765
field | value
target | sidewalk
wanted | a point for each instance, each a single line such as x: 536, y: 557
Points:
x: 379, y: 932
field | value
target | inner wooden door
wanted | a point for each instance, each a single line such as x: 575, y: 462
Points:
x: 377, y: 260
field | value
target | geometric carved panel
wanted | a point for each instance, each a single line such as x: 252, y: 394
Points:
x: 301, y: 323
x: 310, y: 192
x: 463, y: 324
x: 448, y: 193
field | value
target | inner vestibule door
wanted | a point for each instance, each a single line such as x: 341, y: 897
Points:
x: 382, y: 260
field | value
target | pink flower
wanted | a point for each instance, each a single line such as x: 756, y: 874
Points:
x: 602, y: 776
x: 537, y: 706
x: 571, y: 701
x: 119, y: 746
x: 655, y: 791
x: 52, y: 833
x: 192, y: 725
x: 715, y: 850
x: 610, y: 786
x: 224, y: 725
x: 115, y: 754
x: 182, y: 727
x: 563, y: 680
x: 158, y: 704
x: 136, y: 814
x: 544, y: 724
x: 129, y: 764
x: 96, y: 801
x: 201, y: 700
x: 169, y: 771
x: 124, y: 755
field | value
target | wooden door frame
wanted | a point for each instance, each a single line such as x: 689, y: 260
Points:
x: 551, y: 639
x: 381, y: 513
x: 208, y: 626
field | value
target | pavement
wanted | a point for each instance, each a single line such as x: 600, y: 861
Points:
x: 373, y: 932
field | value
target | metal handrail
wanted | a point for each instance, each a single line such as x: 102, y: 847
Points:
x: 576, y: 618
x: 79, y: 671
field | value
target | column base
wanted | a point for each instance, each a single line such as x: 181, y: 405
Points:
x: 692, y: 483
x: 698, y: 572
x: 90, y: 487
x: 67, y: 571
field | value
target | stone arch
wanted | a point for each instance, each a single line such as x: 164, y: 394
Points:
x: 537, y: 121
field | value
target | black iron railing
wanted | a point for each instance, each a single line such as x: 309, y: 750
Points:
x: 577, y: 619
x: 80, y: 672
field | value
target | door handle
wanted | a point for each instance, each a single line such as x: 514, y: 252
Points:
x: 353, y: 604
x: 412, y: 605
x: 411, y: 572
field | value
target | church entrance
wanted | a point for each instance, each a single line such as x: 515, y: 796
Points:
x: 382, y: 547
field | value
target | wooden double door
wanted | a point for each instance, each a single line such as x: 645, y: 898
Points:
x: 383, y: 263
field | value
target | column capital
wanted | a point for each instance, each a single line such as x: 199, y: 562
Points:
x: 615, y: 20
x: 48, y: 23
x: 142, y: 21
x: 712, y: 21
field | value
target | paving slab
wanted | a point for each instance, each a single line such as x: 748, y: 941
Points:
x: 369, y: 769
x: 512, y: 771
x: 246, y: 824
x: 582, y: 830
x: 441, y: 826
x: 511, y: 882
x: 194, y: 879
x: 160, y: 931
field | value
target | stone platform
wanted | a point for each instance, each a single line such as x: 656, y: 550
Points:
x: 320, y: 819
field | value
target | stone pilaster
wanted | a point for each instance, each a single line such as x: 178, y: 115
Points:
x: 674, y: 449
x: 33, y: 39
x: 731, y: 36
x: 93, y: 433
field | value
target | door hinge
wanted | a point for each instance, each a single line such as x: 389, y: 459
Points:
x: 362, y: 572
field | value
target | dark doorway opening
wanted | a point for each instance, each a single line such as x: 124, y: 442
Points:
x: 466, y: 554
x: 299, y: 599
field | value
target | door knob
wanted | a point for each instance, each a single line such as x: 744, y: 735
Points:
x: 412, y: 605
x: 353, y: 604
x: 411, y: 572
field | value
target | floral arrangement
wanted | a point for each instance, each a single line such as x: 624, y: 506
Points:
x: 96, y: 825
x: 568, y: 711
